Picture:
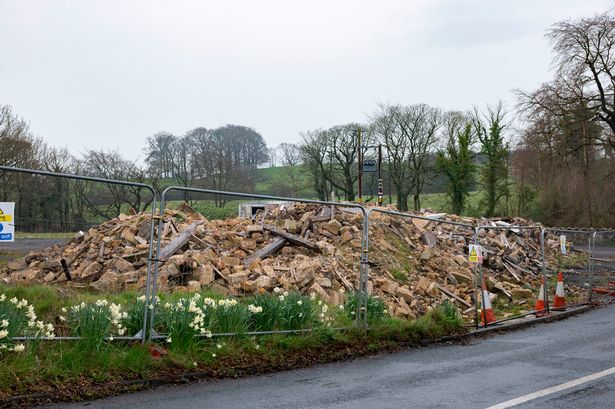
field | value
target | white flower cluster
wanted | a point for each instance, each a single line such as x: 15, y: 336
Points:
x: 39, y: 328
x: 197, y: 314
x: 117, y: 315
x: 115, y: 312
x: 283, y: 295
x: 151, y: 305
x: 227, y: 303
x: 324, y: 317
x: 21, y: 312
x: 254, y: 309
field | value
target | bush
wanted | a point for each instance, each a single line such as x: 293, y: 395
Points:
x: 134, y: 314
x: 443, y: 319
x: 297, y: 311
x: 284, y: 311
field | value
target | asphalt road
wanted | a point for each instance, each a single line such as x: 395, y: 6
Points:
x: 484, y: 373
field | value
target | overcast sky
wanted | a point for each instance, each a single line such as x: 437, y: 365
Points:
x: 106, y: 74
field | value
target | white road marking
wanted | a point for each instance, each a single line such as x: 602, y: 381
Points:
x: 553, y: 389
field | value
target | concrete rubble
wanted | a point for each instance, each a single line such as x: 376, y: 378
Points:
x: 414, y: 264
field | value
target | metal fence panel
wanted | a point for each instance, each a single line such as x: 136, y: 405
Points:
x: 363, y: 266
x: 142, y: 335
x: 404, y: 272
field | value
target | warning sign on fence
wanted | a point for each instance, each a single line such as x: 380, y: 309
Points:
x: 476, y: 254
x: 7, y: 221
x: 562, y: 243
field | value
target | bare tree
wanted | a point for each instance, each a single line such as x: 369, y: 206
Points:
x: 385, y: 126
x: 314, y: 157
x: 159, y: 153
x: 109, y: 200
x: 585, y: 72
x: 273, y: 157
x: 290, y: 158
x: 420, y: 124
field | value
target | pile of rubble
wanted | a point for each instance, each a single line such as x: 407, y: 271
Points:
x: 414, y: 264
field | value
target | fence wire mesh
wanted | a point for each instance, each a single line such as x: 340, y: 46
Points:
x: 45, y: 220
x: 417, y: 262
x: 602, y: 278
x: 510, y: 274
x: 320, y: 244
x: 568, y: 251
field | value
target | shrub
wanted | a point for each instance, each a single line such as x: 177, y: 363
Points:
x: 267, y: 318
x: 284, y: 311
x: 443, y: 319
x: 134, y: 314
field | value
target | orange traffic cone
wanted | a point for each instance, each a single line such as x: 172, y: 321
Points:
x: 486, y: 314
x: 559, y: 301
x: 540, y: 301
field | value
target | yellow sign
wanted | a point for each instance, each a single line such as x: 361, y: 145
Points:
x: 474, y: 256
x: 6, y: 218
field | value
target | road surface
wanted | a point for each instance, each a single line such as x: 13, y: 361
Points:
x: 486, y: 372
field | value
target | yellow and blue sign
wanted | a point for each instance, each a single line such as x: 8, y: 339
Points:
x: 7, y: 221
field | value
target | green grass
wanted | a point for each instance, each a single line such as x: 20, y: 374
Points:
x: 61, y: 235
x: 51, y: 366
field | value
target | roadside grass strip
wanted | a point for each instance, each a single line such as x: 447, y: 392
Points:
x: 64, y: 369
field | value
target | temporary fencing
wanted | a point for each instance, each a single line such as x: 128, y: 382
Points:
x: 361, y: 313
x: 571, y: 251
x: 97, y: 180
x: 505, y: 256
x: 602, y: 266
x: 597, y: 277
x: 460, y: 237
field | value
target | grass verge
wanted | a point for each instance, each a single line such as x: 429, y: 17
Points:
x: 71, y: 370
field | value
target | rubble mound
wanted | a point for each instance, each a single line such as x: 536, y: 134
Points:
x: 414, y: 264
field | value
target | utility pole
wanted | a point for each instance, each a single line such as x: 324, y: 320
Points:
x: 360, y: 164
x: 380, y: 189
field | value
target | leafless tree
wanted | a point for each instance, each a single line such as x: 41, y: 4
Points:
x: 160, y: 153
x: 585, y: 72
x: 410, y: 134
x: 290, y: 158
x: 314, y: 157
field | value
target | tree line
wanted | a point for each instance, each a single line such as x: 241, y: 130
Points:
x: 222, y: 159
x: 551, y: 157
x: 554, y: 163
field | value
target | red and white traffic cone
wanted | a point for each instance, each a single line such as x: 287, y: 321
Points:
x: 486, y: 313
x: 540, y: 301
x: 559, y: 302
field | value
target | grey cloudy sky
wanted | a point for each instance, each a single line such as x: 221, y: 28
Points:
x: 107, y: 73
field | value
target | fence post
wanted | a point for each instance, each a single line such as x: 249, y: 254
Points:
x: 481, y: 278
x: 545, y: 283
x: 592, y: 242
x: 364, y: 270
x: 146, y: 303
x: 476, y: 317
